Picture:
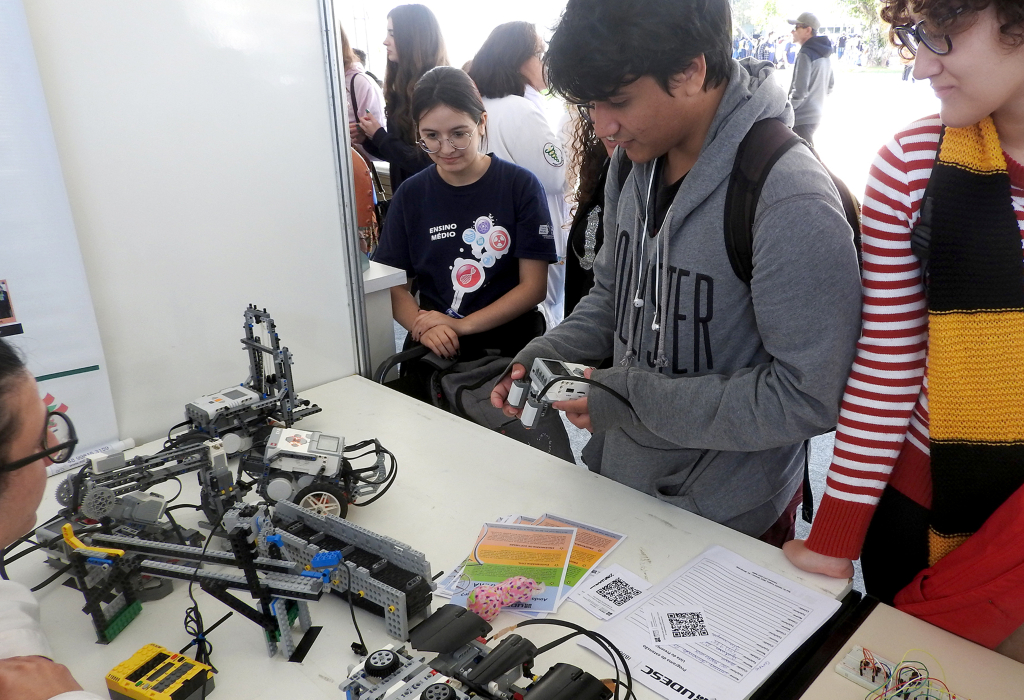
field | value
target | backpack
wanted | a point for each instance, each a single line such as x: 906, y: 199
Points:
x: 380, y: 198
x: 766, y: 142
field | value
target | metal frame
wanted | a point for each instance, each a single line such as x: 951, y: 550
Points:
x: 346, y: 191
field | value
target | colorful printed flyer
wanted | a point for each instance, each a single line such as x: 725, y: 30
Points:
x: 504, y: 550
x: 592, y: 545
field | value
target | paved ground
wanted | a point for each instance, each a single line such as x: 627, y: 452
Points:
x: 864, y: 111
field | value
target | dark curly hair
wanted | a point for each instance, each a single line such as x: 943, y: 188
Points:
x: 587, y: 158
x: 601, y: 45
x: 944, y: 13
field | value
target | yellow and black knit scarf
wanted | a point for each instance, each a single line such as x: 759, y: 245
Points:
x: 975, y: 337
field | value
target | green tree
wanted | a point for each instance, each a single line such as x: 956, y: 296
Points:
x: 876, y: 33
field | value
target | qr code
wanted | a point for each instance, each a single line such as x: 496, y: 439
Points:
x: 618, y: 592
x: 685, y: 625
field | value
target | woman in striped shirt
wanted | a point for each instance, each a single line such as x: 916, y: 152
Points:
x: 908, y: 488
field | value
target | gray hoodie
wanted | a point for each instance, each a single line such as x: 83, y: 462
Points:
x: 812, y: 80
x: 723, y: 393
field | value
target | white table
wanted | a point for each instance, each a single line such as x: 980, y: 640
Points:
x: 453, y: 476
x: 970, y: 670
x: 378, y: 280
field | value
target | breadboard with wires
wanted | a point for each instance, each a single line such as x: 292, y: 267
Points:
x: 907, y: 680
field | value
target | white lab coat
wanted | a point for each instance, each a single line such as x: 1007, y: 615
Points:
x: 519, y: 132
x: 20, y: 634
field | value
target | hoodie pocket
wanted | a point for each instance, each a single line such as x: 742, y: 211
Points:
x: 720, y: 486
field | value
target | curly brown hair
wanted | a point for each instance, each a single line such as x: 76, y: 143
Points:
x: 947, y: 15
x: 587, y: 156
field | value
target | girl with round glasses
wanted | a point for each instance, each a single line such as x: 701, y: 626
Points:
x: 27, y: 445
x: 472, y: 231
x: 926, y: 484
x: 414, y: 45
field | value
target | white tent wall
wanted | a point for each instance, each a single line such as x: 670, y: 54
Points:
x: 200, y: 158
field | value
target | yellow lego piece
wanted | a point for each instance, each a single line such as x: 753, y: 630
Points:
x: 156, y: 673
x: 75, y: 543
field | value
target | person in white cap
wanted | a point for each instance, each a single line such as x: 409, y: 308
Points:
x: 812, y: 75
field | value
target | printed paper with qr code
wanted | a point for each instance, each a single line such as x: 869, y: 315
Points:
x: 756, y: 619
x: 679, y: 624
x: 606, y: 595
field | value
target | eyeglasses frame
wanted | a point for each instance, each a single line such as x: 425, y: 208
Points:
x: 913, y: 31
x: 423, y: 146
x: 48, y: 452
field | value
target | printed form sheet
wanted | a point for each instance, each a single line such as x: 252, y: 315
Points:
x: 756, y: 619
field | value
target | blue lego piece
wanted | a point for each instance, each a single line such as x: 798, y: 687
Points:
x: 326, y: 558
x: 275, y: 539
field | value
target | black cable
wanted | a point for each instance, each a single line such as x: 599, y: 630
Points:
x: 174, y: 478
x: 193, y: 506
x: 592, y: 382
x: 361, y: 650
x: 599, y: 639
x: 193, y: 617
x: 50, y: 580
x: 28, y: 538
x: 212, y: 627
x: 390, y: 478
x: 176, y: 528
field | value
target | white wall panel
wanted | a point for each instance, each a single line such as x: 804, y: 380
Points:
x: 196, y: 146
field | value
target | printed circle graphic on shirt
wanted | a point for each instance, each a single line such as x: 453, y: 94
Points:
x: 467, y: 275
x: 482, y: 225
x: 499, y: 240
x: 468, y: 236
x: 553, y: 155
x: 488, y: 260
x: 496, y: 243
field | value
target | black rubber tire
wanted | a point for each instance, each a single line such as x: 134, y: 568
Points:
x: 438, y: 691
x: 332, y: 500
x: 381, y: 663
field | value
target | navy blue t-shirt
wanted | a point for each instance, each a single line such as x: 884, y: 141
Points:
x: 462, y: 243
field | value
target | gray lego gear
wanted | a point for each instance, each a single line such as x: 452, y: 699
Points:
x: 65, y: 492
x: 98, y: 502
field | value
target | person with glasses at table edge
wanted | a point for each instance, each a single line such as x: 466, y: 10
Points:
x: 812, y: 76
x: 30, y: 438
x: 724, y: 380
x: 473, y: 231
x: 926, y: 482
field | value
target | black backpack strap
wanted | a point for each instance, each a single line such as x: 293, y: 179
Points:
x: 352, y: 93
x: 766, y: 142
x: 921, y: 235
x: 808, y: 505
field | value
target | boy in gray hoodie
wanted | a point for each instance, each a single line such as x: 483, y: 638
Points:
x: 724, y: 381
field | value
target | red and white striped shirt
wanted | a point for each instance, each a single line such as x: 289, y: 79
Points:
x: 882, y: 436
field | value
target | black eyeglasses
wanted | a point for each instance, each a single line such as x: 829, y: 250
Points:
x: 585, y: 109
x: 64, y: 430
x: 911, y: 36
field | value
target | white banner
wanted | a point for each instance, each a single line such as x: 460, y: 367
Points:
x: 45, y: 306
